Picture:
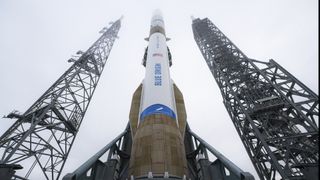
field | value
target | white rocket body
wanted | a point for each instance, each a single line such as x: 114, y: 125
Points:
x: 157, y: 93
x: 157, y: 143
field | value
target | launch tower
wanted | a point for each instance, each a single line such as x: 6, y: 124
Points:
x: 42, y: 137
x: 275, y: 115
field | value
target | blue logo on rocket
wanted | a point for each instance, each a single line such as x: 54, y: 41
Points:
x: 157, y: 109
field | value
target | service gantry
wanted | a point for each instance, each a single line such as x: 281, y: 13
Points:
x: 275, y: 115
x: 43, y: 136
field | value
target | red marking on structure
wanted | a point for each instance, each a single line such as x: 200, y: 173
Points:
x: 157, y: 54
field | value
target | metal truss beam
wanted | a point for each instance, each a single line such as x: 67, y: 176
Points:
x: 275, y: 115
x: 111, y: 162
x: 201, y: 167
x: 46, y: 131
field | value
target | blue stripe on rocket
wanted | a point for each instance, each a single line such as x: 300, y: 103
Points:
x: 157, y: 109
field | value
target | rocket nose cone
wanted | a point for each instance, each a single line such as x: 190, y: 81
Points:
x: 157, y: 12
x: 157, y: 19
x: 157, y: 23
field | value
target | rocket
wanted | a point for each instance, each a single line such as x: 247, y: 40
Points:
x: 157, y: 85
x: 157, y: 126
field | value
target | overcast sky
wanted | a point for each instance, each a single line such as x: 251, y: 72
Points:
x: 37, y: 38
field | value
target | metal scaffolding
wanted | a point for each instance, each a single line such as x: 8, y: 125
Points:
x: 44, y: 134
x: 275, y: 115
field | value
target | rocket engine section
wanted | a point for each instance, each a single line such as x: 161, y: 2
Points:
x: 158, y: 146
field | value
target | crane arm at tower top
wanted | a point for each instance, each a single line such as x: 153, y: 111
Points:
x: 42, y: 137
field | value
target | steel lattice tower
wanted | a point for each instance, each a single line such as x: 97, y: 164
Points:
x: 47, y: 130
x: 274, y: 114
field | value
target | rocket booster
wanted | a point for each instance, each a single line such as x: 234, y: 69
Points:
x: 157, y: 146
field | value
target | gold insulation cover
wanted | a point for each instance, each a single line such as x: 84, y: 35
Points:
x: 158, y: 142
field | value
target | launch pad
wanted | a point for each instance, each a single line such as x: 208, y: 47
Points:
x: 278, y: 130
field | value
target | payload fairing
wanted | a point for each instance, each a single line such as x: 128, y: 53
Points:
x: 157, y: 121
